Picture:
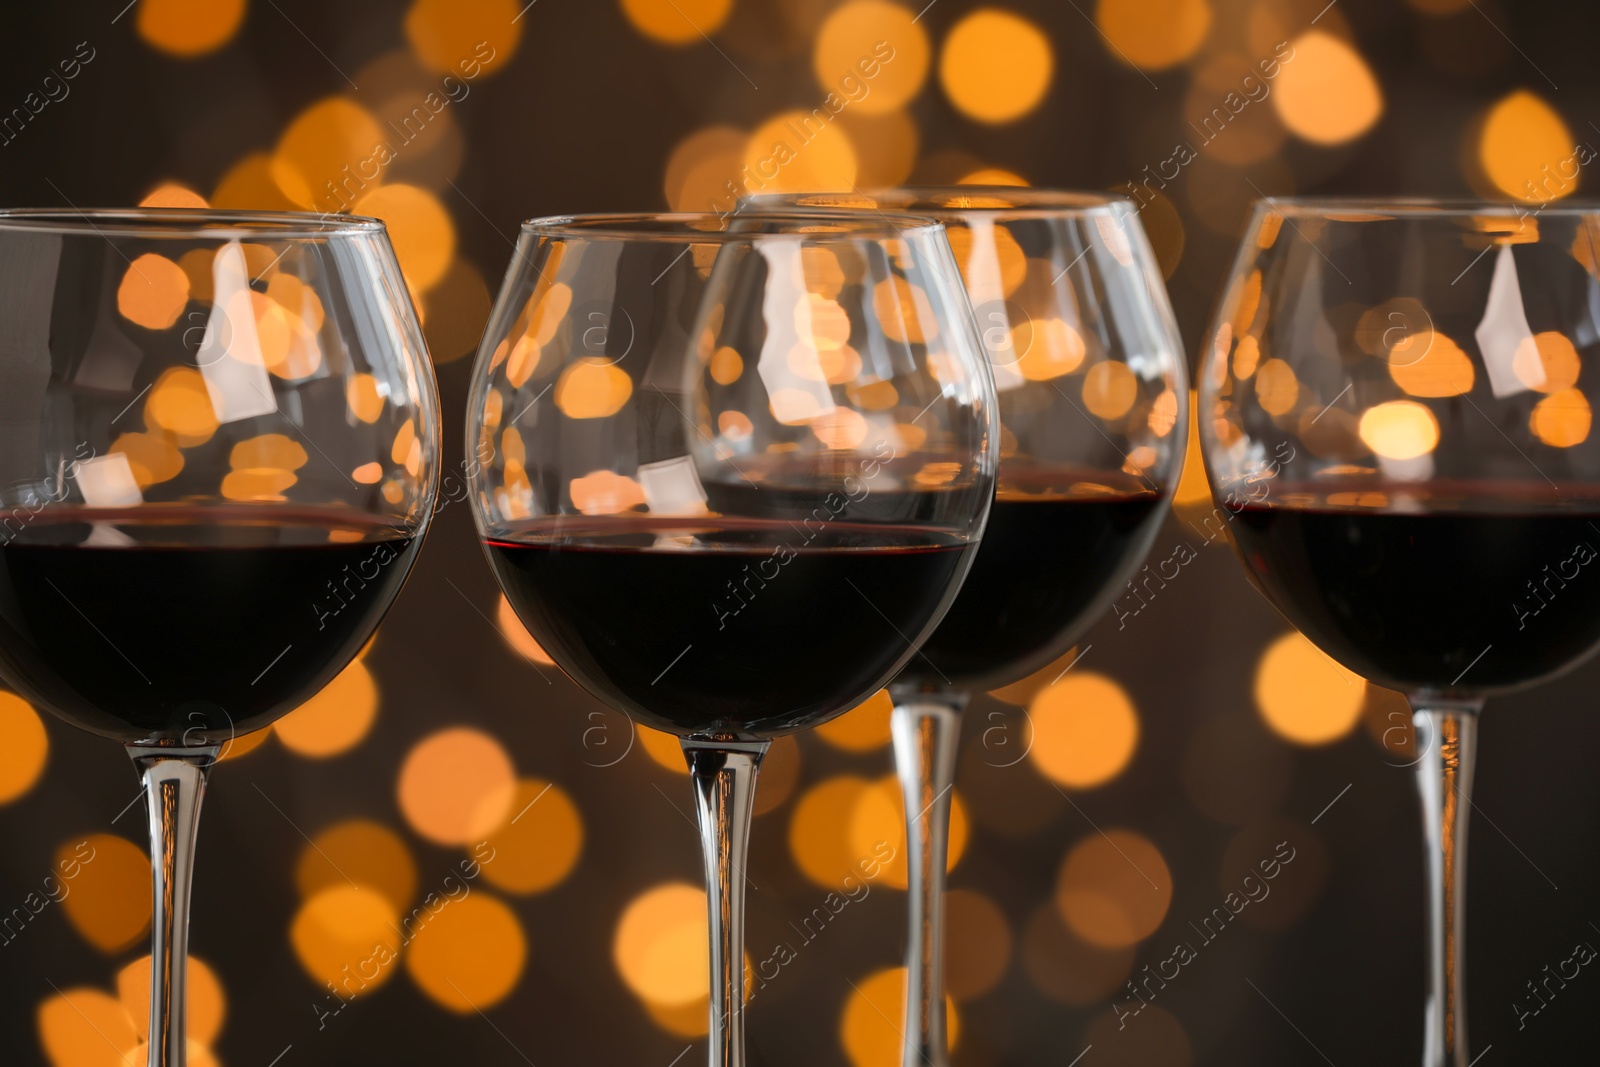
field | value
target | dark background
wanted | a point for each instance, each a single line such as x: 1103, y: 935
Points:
x: 583, y: 115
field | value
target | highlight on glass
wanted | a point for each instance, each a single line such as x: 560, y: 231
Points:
x: 730, y: 473
x: 1395, y: 415
x: 1089, y: 373
x: 221, y: 451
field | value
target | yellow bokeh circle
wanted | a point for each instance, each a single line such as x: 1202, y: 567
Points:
x: 1114, y: 889
x: 188, y: 28
x: 1153, y: 34
x: 677, y: 22
x: 541, y: 842
x: 347, y: 936
x: 334, y: 720
x: 870, y: 1030
x: 872, y: 56
x: 660, y: 946
x: 470, y: 954
x: 996, y: 66
x: 456, y: 786
x: 1326, y: 93
x: 1085, y: 730
x: 27, y: 747
x: 1305, y: 696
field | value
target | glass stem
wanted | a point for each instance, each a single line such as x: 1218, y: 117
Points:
x: 724, y: 777
x: 926, y: 727
x: 1446, y: 747
x: 174, y: 783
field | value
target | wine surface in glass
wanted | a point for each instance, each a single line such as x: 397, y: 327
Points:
x: 1049, y: 565
x: 1468, y: 589
x: 190, y: 624
x: 745, y: 628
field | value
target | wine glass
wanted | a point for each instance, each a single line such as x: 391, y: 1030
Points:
x: 220, y: 452
x: 1395, y: 418
x: 1090, y: 376
x: 730, y: 472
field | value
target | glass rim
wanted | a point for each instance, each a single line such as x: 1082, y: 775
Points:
x: 709, y: 227
x: 1020, y: 201
x: 1331, y: 207
x: 186, y: 222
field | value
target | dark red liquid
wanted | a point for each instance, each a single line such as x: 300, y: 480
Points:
x: 754, y: 631
x: 1048, y: 568
x: 190, y: 625
x: 1441, y: 599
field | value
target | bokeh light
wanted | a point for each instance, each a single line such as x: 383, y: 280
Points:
x: 1526, y: 150
x: 314, y: 151
x: 869, y: 1029
x: 541, y: 842
x: 462, y: 36
x: 517, y: 636
x: 877, y: 824
x: 872, y: 55
x: 977, y: 944
x: 470, y: 954
x: 1114, y: 889
x: 84, y: 1027
x: 677, y: 22
x: 1153, y: 34
x: 27, y: 747
x: 796, y: 151
x: 820, y: 837
x: 1065, y: 967
x: 1326, y: 93
x: 362, y: 853
x: 1562, y: 419
x: 660, y: 948
x: 592, y: 388
x: 456, y: 786
x: 336, y: 719
x: 1399, y: 429
x: 153, y: 292
x: 188, y: 28
x: 347, y: 937
x: 423, y: 235
x: 1305, y: 696
x: 995, y: 65
x: 110, y: 900
x: 205, y: 1004
x: 173, y: 194
x: 862, y: 728
x: 1085, y: 730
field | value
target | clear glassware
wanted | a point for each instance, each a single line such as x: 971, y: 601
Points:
x: 1395, y: 417
x: 730, y: 472
x: 220, y: 453
x: 1089, y: 371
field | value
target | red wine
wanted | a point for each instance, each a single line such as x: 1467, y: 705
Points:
x: 727, y: 627
x: 190, y: 624
x: 1049, y: 566
x: 1467, y: 591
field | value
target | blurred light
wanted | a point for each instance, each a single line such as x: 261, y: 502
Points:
x: 27, y: 747
x: 517, y: 636
x: 1277, y: 388
x: 977, y: 943
x: 188, y: 28
x: 361, y: 392
x: 110, y: 899
x: 347, y: 938
x: 249, y: 185
x: 1085, y: 730
x: 268, y: 450
x: 244, y: 744
x: 661, y: 946
x: 1526, y: 151
x: 605, y: 493
x: 663, y: 749
x: 1327, y: 94
x: 904, y: 312
x: 470, y: 954
x: 420, y: 229
x: 862, y: 728
x: 1562, y: 419
x: 676, y: 22
x: 458, y: 308
x: 335, y: 719
x: 1304, y: 695
x: 878, y: 822
x: 257, y: 484
x: 1048, y: 348
x: 592, y: 388
x: 456, y: 786
x: 995, y: 66
x: 726, y: 366
x: 451, y: 36
x: 1156, y: 1039
x: 1163, y: 418
x: 1547, y: 362
x: 780, y: 772
x: 1399, y: 429
x: 205, y: 1004
x: 1114, y: 888
x: 1068, y: 969
x: 322, y: 150
x: 871, y: 55
x: 362, y: 852
x: 992, y: 176
x: 1153, y: 34
x: 885, y: 146
x: 1109, y: 389
x: 153, y: 292
x: 702, y: 167
x: 841, y: 429
x: 84, y: 1027
x: 173, y: 194
x: 794, y: 151
x: 1428, y: 363
x: 820, y: 830
x: 540, y: 844
x: 1193, y: 495
x: 980, y: 252
x: 869, y: 1030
